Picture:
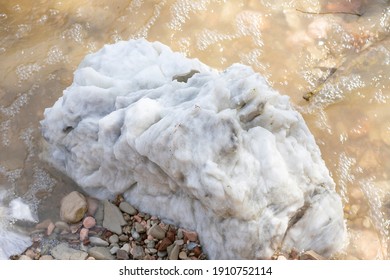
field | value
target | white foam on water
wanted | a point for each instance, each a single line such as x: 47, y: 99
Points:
x: 11, y: 241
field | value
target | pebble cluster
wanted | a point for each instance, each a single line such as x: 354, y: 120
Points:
x: 109, y: 230
x: 114, y: 230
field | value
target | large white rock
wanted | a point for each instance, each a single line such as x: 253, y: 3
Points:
x: 217, y: 152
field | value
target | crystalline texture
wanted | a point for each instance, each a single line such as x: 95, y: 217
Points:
x: 217, y: 152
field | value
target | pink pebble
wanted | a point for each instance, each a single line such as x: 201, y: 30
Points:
x: 138, y: 218
x: 50, y: 228
x: 84, y: 234
x: 89, y: 222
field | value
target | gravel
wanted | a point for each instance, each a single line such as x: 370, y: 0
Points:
x: 111, y: 230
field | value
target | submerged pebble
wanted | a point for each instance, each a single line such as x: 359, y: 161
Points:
x: 73, y: 207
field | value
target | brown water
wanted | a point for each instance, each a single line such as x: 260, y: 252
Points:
x: 297, y: 45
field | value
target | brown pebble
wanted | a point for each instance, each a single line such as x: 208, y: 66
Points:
x: 294, y: 255
x: 190, y: 235
x: 197, y: 251
x: 171, y: 234
x: 122, y: 255
x: 163, y: 244
x: 86, y: 242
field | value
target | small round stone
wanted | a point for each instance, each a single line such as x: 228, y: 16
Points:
x: 127, y: 208
x: 89, y: 222
x: 73, y: 207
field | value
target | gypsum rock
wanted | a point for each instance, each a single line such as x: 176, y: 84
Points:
x: 217, y: 152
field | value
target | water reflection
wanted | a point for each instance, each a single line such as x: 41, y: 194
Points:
x: 337, y: 50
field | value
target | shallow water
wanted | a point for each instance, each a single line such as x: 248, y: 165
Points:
x: 340, y: 50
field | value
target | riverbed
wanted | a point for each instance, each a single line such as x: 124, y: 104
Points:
x: 331, y: 57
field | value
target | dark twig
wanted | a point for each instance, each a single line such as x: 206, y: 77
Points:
x: 329, y: 13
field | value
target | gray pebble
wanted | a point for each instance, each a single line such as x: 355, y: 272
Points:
x: 138, y: 252
x: 126, y: 247
x: 162, y: 254
x: 191, y: 245
x: 122, y: 255
x: 135, y: 235
x: 180, y: 234
x: 113, y: 219
x: 63, y: 252
x: 97, y: 241
x: 99, y: 214
x: 123, y: 238
x: 127, y: 208
x: 179, y: 242
x: 114, y: 249
x: 139, y: 228
x: 100, y: 253
x: 152, y: 250
x: 113, y: 239
x: 157, y: 232
x: 62, y: 225
x: 151, y: 244
x: 174, y: 255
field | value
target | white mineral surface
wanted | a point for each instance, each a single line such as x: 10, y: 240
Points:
x: 11, y: 241
x: 221, y: 153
